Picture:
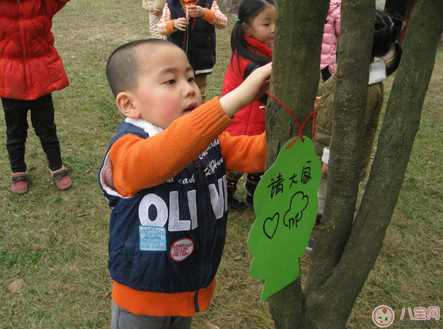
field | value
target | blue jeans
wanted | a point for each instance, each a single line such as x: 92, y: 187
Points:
x: 42, y: 118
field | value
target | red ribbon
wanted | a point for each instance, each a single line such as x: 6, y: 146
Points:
x: 300, y: 128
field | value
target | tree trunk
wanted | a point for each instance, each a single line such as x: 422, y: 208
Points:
x: 335, y: 296
x: 324, y: 302
x: 295, y: 77
x: 350, y: 99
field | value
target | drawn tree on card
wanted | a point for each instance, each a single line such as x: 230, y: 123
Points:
x: 347, y: 248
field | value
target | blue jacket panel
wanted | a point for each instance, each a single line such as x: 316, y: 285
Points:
x: 168, y: 238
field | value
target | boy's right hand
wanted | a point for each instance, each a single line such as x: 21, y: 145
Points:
x: 181, y: 24
x: 251, y: 89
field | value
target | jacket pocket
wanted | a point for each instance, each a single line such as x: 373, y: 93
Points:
x: 126, y: 262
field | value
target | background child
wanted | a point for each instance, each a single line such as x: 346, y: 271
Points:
x: 330, y: 37
x: 251, y: 42
x: 164, y: 177
x: 384, y: 40
x: 154, y: 9
x: 30, y: 70
x: 191, y: 27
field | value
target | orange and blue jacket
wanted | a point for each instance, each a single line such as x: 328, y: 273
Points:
x: 167, y: 189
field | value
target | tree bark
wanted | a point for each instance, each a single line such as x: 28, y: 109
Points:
x: 295, y: 77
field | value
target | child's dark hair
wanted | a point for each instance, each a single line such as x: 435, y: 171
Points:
x: 247, y: 11
x: 123, y: 67
x: 385, y: 34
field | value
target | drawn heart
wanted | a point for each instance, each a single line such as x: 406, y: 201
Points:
x: 270, y: 225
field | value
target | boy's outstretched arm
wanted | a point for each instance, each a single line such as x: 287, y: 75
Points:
x: 251, y: 89
x: 243, y: 153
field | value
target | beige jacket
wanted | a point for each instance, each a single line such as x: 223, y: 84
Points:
x: 323, y: 134
x: 154, y: 5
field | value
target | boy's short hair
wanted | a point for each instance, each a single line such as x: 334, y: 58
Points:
x: 124, y: 65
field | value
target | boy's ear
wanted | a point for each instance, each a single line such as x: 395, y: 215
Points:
x: 126, y: 106
x: 246, y: 29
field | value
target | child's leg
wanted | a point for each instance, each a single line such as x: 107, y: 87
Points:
x: 325, y: 74
x: 251, y: 184
x: 232, y: 179
x: 321, y: 194
x: 200, y: 80
x: 16, y: 132
x: 122, y: 319
x: 42, y: 117
x: 153, y: 21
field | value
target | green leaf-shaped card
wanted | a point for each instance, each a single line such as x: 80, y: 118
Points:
x: 286, y: 206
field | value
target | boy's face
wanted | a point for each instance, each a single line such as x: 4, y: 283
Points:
x: 166, y: 89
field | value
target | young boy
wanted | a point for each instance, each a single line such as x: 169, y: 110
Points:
x: 192, y: 28
x: 164, y: 177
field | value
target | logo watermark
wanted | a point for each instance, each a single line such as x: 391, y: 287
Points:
x: 383, y: 316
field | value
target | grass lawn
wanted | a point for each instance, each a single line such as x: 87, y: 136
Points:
x: 53, y: 245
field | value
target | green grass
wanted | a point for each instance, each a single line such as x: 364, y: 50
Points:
x: 56, y: 242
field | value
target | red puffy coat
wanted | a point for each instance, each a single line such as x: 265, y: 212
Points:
x: 30, y: 66
x: 249, y: 120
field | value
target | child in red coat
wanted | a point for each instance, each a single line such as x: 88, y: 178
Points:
x: 31, y: 69
x: 251, y: 42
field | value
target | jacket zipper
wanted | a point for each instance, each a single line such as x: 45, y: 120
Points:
x: 203, y: 238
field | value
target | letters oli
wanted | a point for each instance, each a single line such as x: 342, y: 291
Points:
x: 219, y: 203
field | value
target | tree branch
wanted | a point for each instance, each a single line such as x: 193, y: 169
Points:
x: 350, y: 99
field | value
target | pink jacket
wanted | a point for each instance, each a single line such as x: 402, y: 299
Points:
x: 330, y: 36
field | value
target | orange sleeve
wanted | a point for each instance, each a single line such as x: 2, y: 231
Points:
x: 244, y: 153
x: 141, y: 163
x: 166, y: 23
x: 215, y: 16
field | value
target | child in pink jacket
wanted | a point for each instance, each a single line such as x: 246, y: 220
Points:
x: 330, y: 38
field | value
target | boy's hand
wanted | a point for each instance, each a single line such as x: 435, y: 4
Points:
x: 181, y: 24
x: 251, y: 89
x: 196, y: 11
x: 157, y: 13
x: 256, y: 84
